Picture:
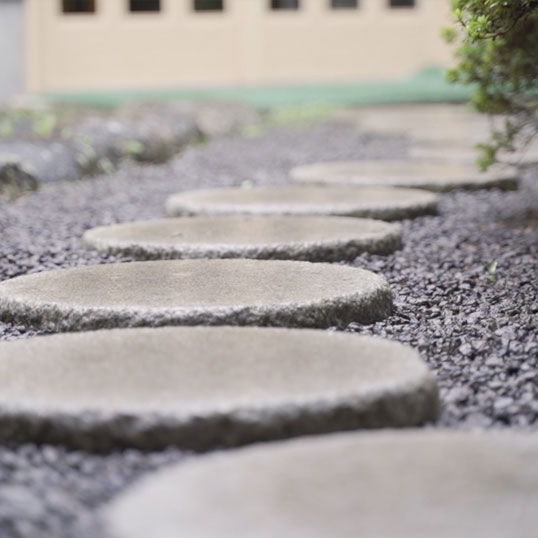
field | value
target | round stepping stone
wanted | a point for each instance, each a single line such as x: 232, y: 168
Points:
x: 377, y: 203
x: 196, y: 292
x: 406, y: 173
x: 427, y: 123
x: 434, y: 484
x: 292, y: 238
x: 199, y: 387
x: 470, y: 155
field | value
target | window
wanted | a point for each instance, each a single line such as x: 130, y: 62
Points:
x: 284, y: 4
x: 208, y: 5
x: 137, y: 6
x: 78, y: 6
x: 344, y: 4
x: 401, y: 3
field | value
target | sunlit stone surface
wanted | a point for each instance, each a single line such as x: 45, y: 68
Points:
x: 378, y: 203
x: 419, y: 484
x: 205, y: 387
x: 196, y: 292
x: 435, y: 176
x: 291, y: 238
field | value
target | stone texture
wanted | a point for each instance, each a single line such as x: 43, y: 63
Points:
x: 416, y: 484
x: 195, y: 292
x: 380, y: 203
x: 202, y: 387
x: 15, y: 178
x: 436, y: 176
x: 291, y: 238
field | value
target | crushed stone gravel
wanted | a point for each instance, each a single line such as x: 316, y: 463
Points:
x: 465, y: 289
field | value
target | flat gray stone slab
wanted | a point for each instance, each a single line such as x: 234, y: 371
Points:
x: 196, y: 292
x: 292, y: 238
x: 202, y: 387
x: 377, y: 203
x: 434, y: 176
x: 413, y: 484
x: 460, y: 153
x: 427, y: 122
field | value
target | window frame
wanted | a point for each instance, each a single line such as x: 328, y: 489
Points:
x: 93, y: 11
x: 272, y: 9
x: 391, y: 6
x: 208, y: 11
x: 131, y: 11
x: 337, y: 9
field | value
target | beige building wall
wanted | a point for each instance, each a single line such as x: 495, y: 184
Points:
x: 245, y: 44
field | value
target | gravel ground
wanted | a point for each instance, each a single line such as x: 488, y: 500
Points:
x: 476, y: 327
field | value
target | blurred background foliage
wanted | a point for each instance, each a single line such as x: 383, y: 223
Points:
x: 498, y: 58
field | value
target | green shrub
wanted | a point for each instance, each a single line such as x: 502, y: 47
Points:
x: 498, y: 56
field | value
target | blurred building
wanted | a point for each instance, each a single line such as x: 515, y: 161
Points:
x: 75, y: 45
x: 12, y: 52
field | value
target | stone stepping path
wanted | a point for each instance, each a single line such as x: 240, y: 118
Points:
x: 377, y: 203
x: 196, y: 292
x: 201, y: 388
x: 293, y: 238
x: 434, y: 176
x: 435, y: 484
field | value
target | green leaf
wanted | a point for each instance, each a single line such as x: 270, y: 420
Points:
x: 45, y: 124
x: 492, y: 271
x: 6, y: 127
x: 133, y: 147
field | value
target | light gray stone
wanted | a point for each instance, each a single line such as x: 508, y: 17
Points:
x: 435, y: 176
x: 16, y: 178
x: 203, y: 387
x: 291, y: 238
x: 196, y: 292
x: 428, y: 122
x: 413, y: 484
x: 460, y: 153
x: 377, y: 203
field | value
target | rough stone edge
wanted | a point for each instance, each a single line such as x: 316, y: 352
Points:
x: 364, y: 307
x: 502, y: 183
x: 516, y: 160
x: 399, y: 211
x: 498, y: 180
x: 505, y: 184
x: 408, y: 404
x: 335, y: 250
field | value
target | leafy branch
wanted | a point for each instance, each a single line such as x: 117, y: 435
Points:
x: 498, y: 55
